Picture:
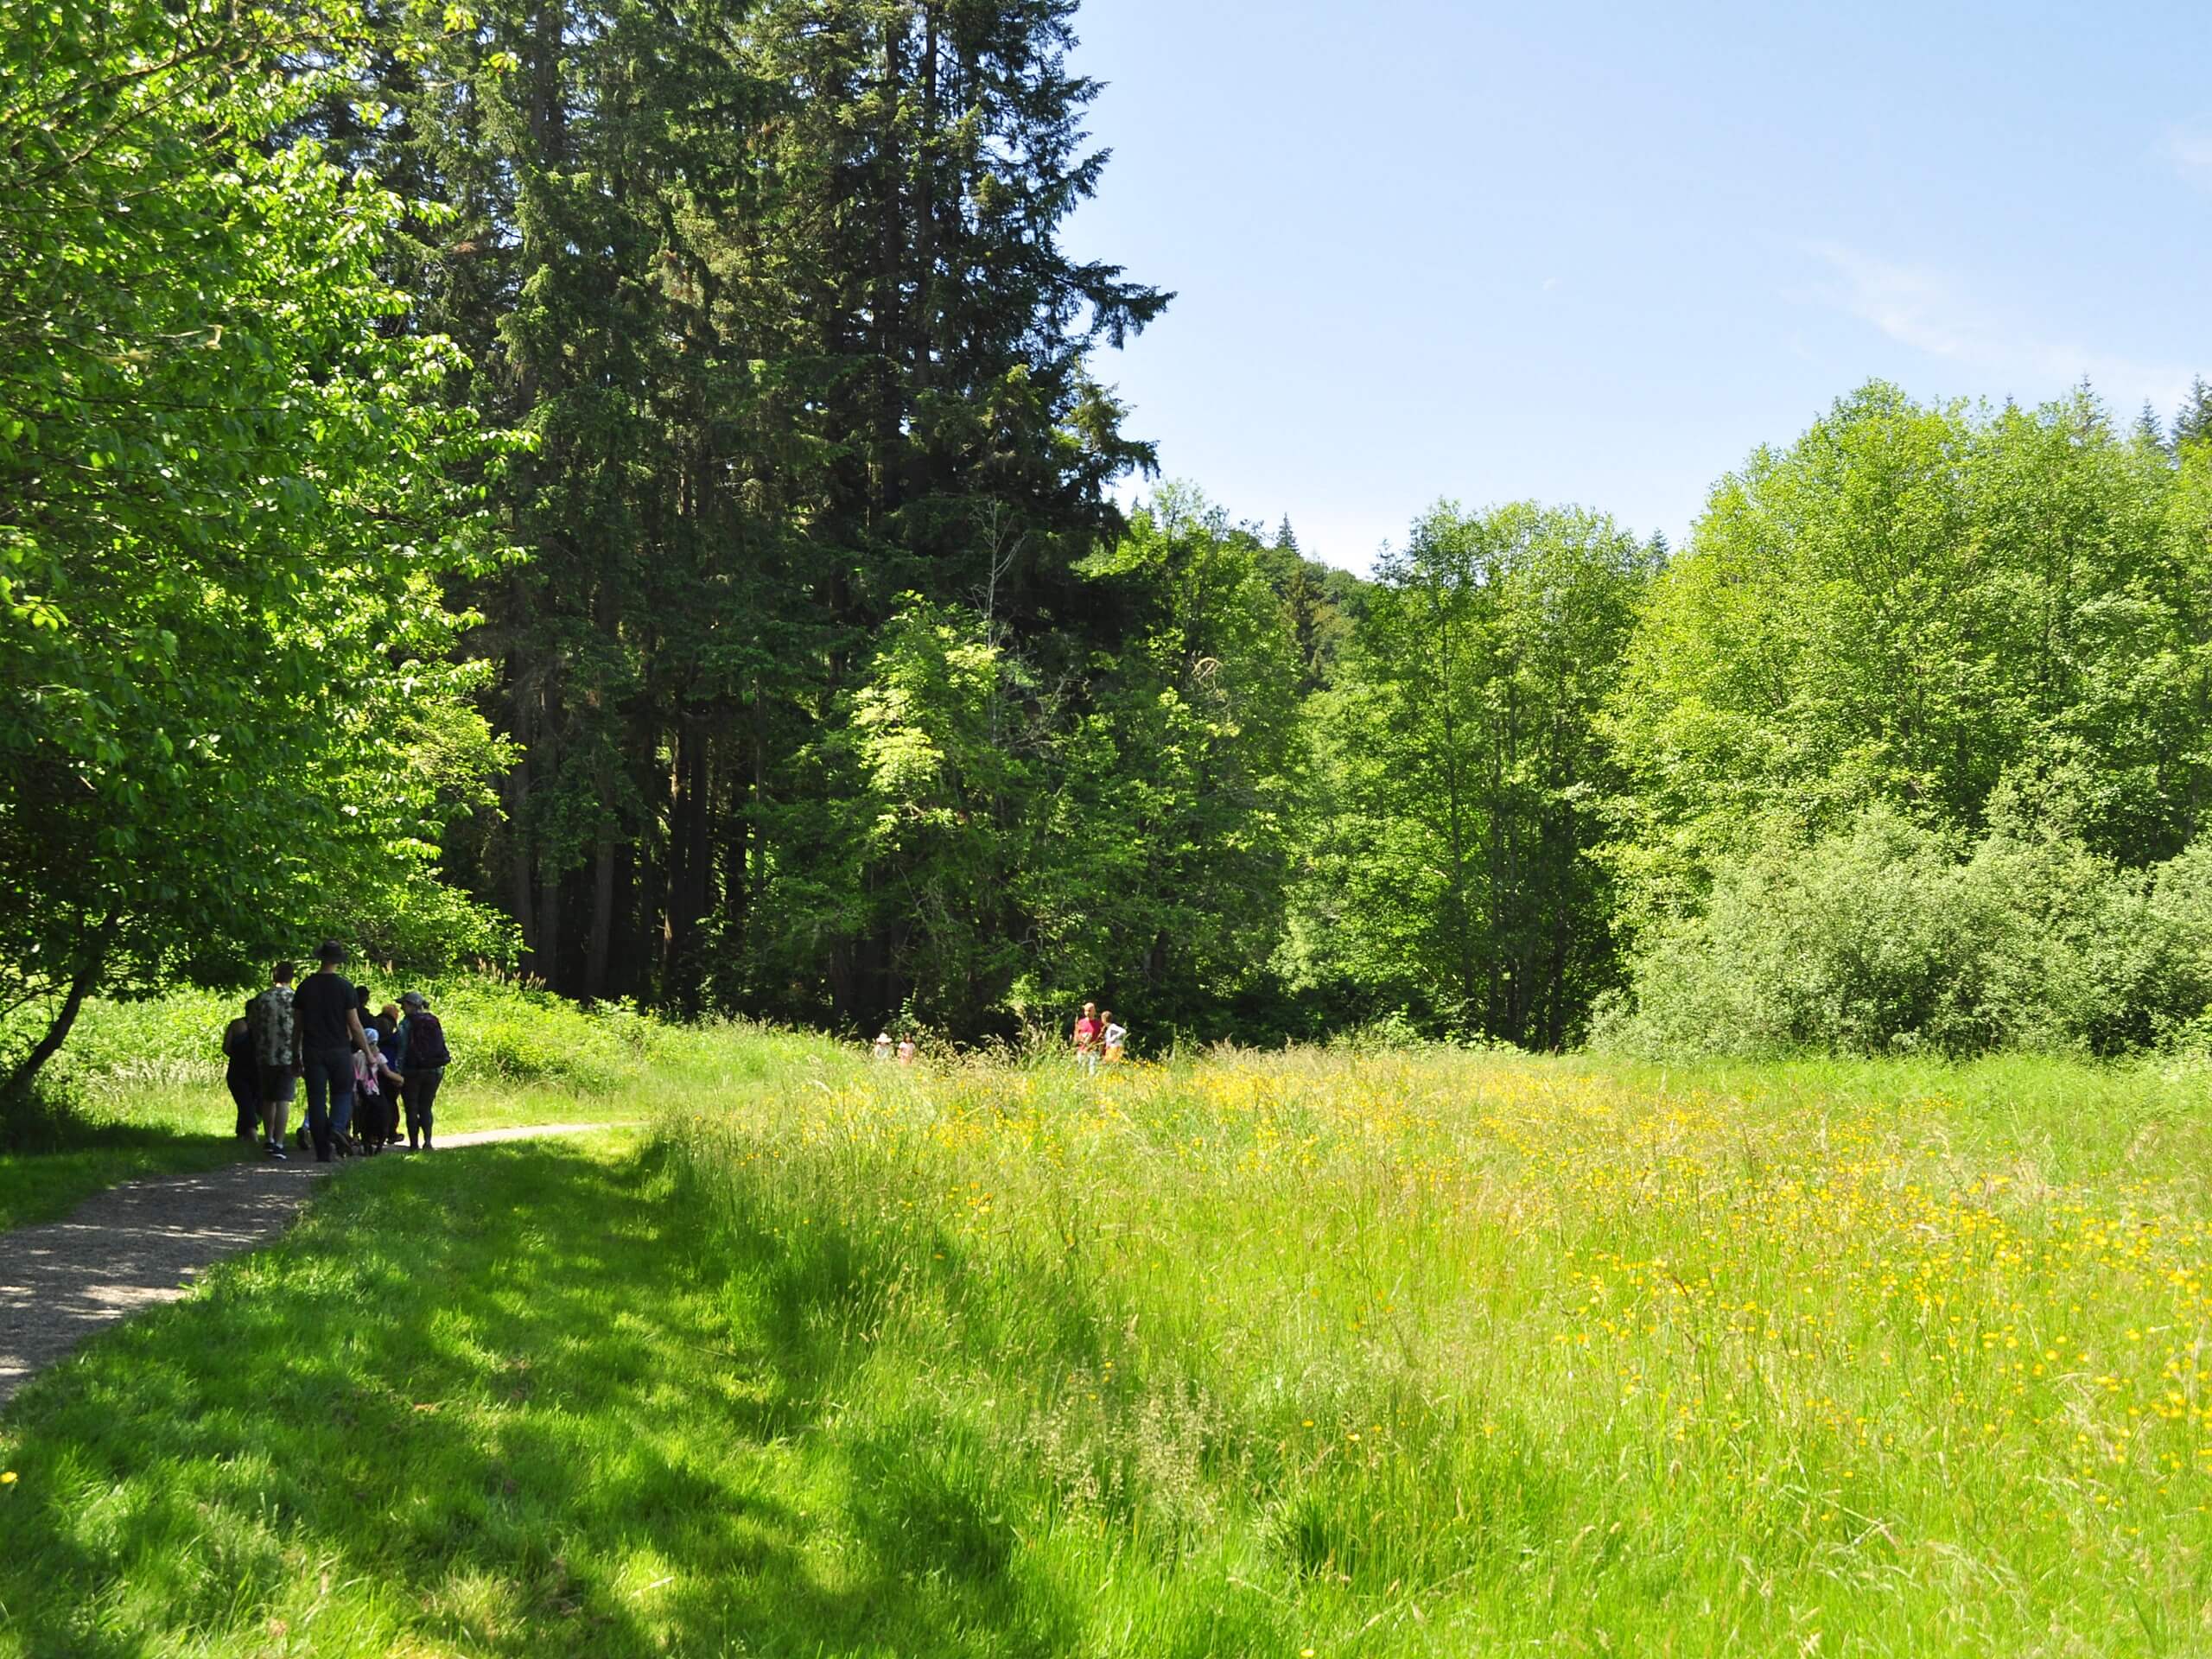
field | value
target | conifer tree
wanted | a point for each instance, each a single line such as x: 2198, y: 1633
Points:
x: 778, y: 289
x: 2193, y: 423
x: 2149, y: 436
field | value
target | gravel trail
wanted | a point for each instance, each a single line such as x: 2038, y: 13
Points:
x: 140, y: 1243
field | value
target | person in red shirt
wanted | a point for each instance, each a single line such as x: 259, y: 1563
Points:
x: 1088, y: 1031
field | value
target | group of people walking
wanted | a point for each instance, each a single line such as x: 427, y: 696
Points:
x: 365, y: 1071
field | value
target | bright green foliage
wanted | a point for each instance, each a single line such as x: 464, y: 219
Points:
x: 938, y: 790
x: 1886, y: 935
x: 1956, y: 614
x: 1165, y: 852
x: 836, y: 687
x: 1452, y: 873
x: 228, y: 493
x: 1013, y: 844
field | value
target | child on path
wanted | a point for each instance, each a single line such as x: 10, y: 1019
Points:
x: 375, y: 1084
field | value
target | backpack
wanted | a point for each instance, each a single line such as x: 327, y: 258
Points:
x: 426, y: 1043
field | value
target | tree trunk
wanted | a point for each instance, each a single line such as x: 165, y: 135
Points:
x: 924, y: 324
x: 602, y: 914
x: 690, y: 861
x: 17, y: 1087
x: 522, y: 898
x: 549, y: 934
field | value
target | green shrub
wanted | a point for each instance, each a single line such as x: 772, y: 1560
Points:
x: 500, y: 1031
x: 1891, y: 936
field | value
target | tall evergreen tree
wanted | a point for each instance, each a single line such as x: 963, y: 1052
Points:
x: 2149, y: 436
x: 779, y: 292
x: 2193, y: 422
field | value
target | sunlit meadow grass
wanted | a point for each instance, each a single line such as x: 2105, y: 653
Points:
x: 1411, y: 1354
x: 1395, y: 1354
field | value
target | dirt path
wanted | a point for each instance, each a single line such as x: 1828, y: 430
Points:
x: 140, y: 1243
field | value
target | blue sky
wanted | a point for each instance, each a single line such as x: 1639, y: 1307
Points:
x: 1595, y: 254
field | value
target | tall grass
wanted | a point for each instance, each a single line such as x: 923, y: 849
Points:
x: 1422, y: 1353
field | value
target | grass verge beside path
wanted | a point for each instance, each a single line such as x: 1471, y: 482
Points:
x: 485, y: 1404
x: 47, y: 1186
x: 186, y: 1130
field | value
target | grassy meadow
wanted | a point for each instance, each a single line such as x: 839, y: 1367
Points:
x: 1397, y: 1353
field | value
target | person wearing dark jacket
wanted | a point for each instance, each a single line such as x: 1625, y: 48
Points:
x: 243, y: 1074
x: 422, y: 1042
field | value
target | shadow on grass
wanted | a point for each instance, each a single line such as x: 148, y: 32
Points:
x: 495, y: 1400
x: 51, y: 1161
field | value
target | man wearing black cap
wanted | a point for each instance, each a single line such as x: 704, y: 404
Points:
x: 328, y: 1028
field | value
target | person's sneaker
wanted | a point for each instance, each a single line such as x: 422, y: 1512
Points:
x: 279, y: 1154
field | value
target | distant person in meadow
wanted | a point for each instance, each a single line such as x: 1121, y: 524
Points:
x: 242, y: 1073
x: 882, y: 1044
x: 1089, y: 1030
x: 276, y: 1053
x: 1114, y: 1037
x: 907, y: 1051
x: 329, y: 1033
x: 423, y: 1040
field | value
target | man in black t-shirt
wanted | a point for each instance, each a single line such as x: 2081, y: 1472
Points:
x: 328, y: 1029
